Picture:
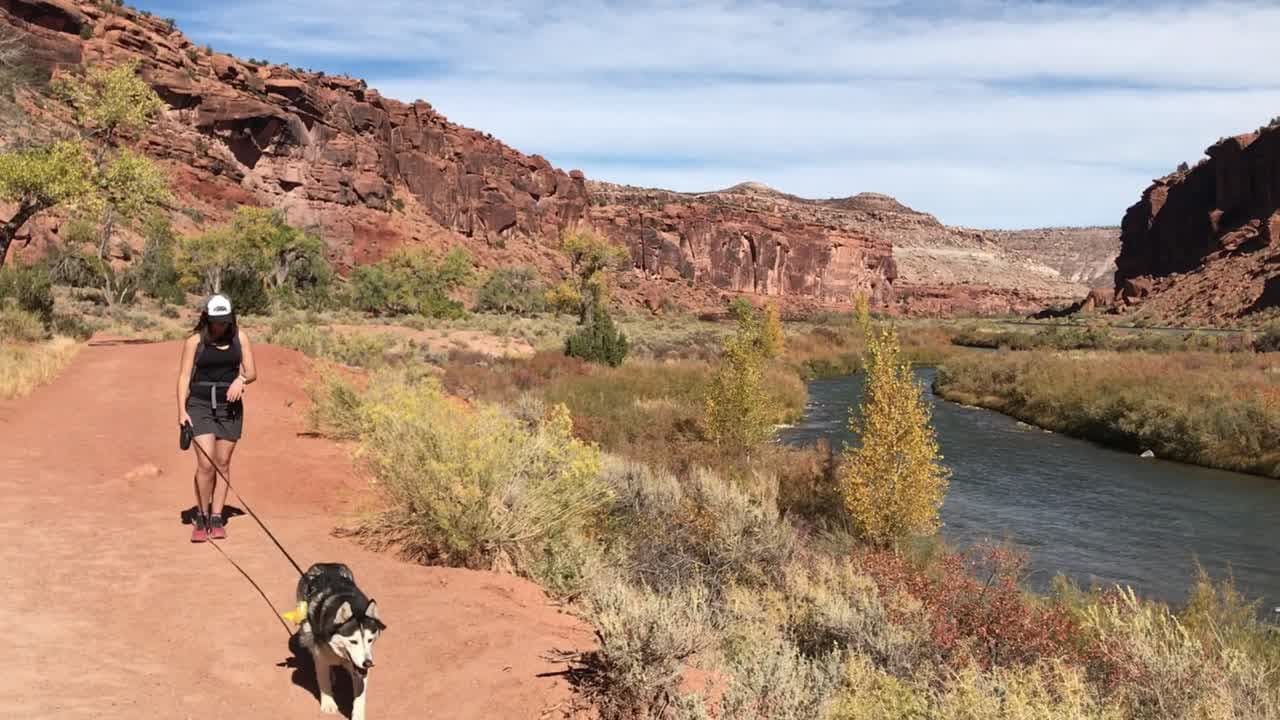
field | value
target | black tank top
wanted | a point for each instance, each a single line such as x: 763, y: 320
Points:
x: 217, y: 365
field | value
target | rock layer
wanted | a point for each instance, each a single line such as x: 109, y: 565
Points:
x: 1203, y: 243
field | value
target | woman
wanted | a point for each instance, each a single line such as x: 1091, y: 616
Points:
x: 217, y: 364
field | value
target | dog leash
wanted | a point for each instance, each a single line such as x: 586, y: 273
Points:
x: 246, y: 575
x: 248, y: 509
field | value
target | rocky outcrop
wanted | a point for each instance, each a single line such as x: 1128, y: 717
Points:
x: 1084, y: 255
x: 369, y: 173
x: 1203, y: 243
x: 744, y: 240
x: 899, y: 256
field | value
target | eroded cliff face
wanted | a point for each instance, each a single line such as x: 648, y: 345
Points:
x: 744, y: 241
x: 900, y: 257
x: 1203, y: 244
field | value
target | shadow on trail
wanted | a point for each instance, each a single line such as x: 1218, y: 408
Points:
x: 228, y: 512
x: 111, y: 342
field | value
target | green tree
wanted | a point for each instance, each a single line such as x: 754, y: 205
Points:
x: 259, y: 245
x: 158, y: 275
x: 92, y: 174
x: 893, y: 483
x: 412, y: 280
x: 511, y: 290
x: 738, y: 413
x: 591, y: 256
x: 598, y: 340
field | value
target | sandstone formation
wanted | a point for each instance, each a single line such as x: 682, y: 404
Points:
x: 1203, y: 243
x: 731, y: 238
x: 745, y: 240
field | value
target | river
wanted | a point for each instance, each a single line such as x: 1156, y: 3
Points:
x: 1088, y: 512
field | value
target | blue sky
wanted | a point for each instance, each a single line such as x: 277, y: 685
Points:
x: 984, y: 113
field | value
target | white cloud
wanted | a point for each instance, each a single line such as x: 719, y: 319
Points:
x: 985, y: 114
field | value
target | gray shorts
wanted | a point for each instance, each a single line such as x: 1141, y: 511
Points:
x: 225, y: 423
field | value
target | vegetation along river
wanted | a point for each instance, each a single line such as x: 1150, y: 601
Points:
x: 1088, y: 512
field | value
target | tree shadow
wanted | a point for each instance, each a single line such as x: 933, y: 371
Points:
x: 304, y: 676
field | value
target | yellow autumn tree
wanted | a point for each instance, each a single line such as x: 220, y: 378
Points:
x: 772, y: 341
x: 861, y: 311
x: 738, y: 412
x: 893, y: 483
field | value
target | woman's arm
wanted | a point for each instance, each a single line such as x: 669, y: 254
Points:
x: 184, y: 375
x: 248, y: 369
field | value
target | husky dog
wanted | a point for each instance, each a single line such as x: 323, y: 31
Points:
x: 340, y: 628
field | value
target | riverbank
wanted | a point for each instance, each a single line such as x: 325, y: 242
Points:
x: 1216, y: 410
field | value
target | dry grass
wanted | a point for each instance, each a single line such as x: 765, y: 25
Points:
x: 26, y: 366
x: 1213, y: 409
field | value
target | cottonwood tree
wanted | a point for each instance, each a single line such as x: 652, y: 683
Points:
x: 90, y: 174
x: 591, y: 256
x: 258, y: 242
x: 893, y: 482
x: 738, y: 413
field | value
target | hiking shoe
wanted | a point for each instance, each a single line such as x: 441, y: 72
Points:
x: 199, y: 530
x: 217, y: 528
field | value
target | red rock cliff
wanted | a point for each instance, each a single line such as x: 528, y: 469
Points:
x: 1204, y: 243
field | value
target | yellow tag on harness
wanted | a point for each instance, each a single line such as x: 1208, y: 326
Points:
x: 298, y: 614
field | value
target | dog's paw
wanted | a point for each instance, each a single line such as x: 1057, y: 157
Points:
x: 328, y: 706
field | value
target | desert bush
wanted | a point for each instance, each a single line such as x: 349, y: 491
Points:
x: 831, y: 606
x: 511, y: 290
x: 598, y: 340
x: 1269, y: 339
x: 645, y: 641
x: 1052, y: 691
x: 28, y: 288
x: 774, y: 681
x: 1171, y: 673
x: 359, y: 349
x: 18, y: 325
x: 474, y: 488
x: 695, y: 529
x: 976, y: 611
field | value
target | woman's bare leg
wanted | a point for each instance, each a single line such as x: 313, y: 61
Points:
x: 223, y: 450
x: 204, y: 473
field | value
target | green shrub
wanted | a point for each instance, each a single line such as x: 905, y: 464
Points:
x: 646, y: 640
x: 598, y: 340
x: 471, y: 488
x: 696, y: 530
x: 1269, y: 340
x: 157, y: 273
x: 412, y: 281
x: 247, y: 294
x: 86, y: 32
x: 18, y: 325
x: 29, y: 288
x: 511, y: 290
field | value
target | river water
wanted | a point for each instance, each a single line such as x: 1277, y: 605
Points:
x: 1079, y: 509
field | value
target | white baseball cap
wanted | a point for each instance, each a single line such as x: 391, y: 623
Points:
x: 218, y: 306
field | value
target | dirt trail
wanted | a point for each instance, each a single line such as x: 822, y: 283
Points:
x: 115, y: 614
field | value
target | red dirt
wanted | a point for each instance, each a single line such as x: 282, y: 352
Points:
x: 112, y: 613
